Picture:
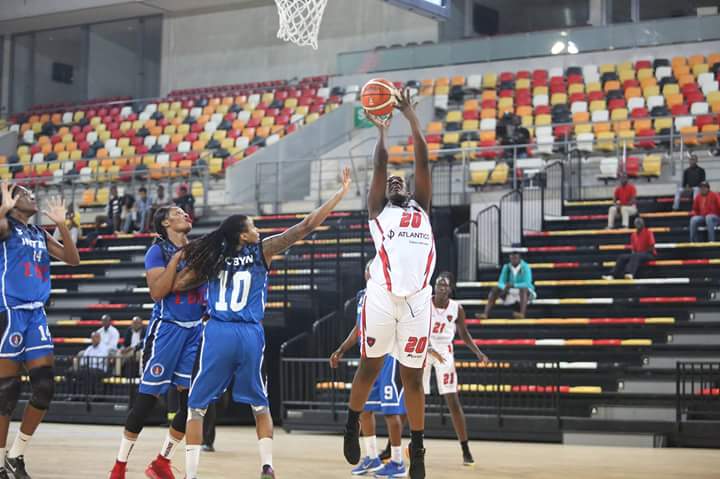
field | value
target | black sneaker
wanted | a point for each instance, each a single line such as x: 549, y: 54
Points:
x: 351, y: 445
x: 16, y: 467
x: 385, y: 455
x: 417, y: 462
x: 468, y: 459
x: 208, y: 448
x: 267, y: 472
x: 4, y: 474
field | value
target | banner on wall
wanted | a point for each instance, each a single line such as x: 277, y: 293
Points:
x: 361, y: 120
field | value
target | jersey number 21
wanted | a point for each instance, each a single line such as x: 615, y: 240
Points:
x: 240, y: 289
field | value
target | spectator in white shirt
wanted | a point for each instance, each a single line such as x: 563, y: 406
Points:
x: 109, y: 335
x: 96, y: 355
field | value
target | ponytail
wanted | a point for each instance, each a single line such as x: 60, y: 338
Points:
x: 206, y: 255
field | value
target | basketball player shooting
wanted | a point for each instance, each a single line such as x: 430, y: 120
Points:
x: 397, y: 312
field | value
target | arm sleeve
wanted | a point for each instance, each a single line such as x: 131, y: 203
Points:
x: 685, y: 178
x: 501, y: 280
x: 526, y: 278
x: 154, y: 258
x: 702, y: 174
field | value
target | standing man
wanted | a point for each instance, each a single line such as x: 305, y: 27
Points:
x: 642, y: 245
x: 693, y: 176
x: 114, y: 209
x: 515, y: 285
x: 625, y: 203
x: 705, y: 212
x: 143, y: 206
x: 109, y: 335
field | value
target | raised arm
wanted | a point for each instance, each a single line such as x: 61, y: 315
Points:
x: 281, y: 242
x: 7, y: 203
x: 466, y: 336
x: 65, y: 251
x: 376, y: 194
x: 423, y: 180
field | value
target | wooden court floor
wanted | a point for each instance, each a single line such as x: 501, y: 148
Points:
x: 87, y: 452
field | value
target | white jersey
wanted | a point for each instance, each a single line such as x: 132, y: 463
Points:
x: 404, y: 241
x: 443, y: 327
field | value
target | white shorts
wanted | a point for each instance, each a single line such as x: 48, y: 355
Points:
x: 513, y: 297
x: 445, y: 374
x: 395, y: 325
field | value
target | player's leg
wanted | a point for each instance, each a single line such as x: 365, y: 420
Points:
x: 460, y: 424
x: 9, y: 394
x: 378, y: 338
x: 495, y: 293
x: 524, y: 300
x: 215, y: 367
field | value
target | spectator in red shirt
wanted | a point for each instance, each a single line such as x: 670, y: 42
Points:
x: 642, y: 245
x: 705, y: 211
x: 625, y: 203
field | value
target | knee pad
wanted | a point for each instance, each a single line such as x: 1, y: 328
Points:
x: 260, y: 410
x: 42, y: 384
x: 144, y: 404
x: 180, y: 420
x: 196, y: 414
x: 9, y: 394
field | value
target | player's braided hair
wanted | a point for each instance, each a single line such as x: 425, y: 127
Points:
x: 206, y: 255
x: 162, y: 239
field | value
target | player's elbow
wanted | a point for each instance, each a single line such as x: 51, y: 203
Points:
x: 74, y: 260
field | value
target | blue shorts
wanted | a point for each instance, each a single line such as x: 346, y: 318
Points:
x: 385, y: 396
x: 168, y: 356
x: 230, y: 350
x: 25, y: 334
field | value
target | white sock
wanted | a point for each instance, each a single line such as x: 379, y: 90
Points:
x: 266, y: 451
x: 169, y: 446
x: 126, y: 446
x: 370, y: 446
x: 2, y: 457
x: 396, y: 454
x: 192, y: 460
x: 18, y: 447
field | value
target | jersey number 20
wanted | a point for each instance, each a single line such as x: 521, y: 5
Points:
x: 239, y: 293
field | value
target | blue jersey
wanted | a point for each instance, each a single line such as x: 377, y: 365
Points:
x: 25, y: 266
x: 184, y: 307
x: 239, y: 292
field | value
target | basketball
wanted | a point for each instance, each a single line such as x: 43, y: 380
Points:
x: 377, y: 96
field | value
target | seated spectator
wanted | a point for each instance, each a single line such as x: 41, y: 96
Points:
x: 515, y: 285
x: 102, y: 227
x: 705, y: 211
x: 642, y: 245
x: 114, y: 209
x: 133, y: 338
x: 129, y: 216
x: 186, y: 201
x: 96, y: 355
x: 143, y: 205
x: 692, y: 177
x: 625, y: 203
x: 109, y: 334
x: 72, y: 220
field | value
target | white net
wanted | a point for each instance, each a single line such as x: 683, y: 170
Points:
x: 300, y: 21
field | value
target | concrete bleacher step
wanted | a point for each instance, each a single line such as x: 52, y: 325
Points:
x: 703, y: 338
x: 625, y: 439
x: 653, y: 361
x: 646, y: 386
x: 633, y: 413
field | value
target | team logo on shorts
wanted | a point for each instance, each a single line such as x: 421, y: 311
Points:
x: 157, y: 370
x: 371, y: 341
x: 16, y: 339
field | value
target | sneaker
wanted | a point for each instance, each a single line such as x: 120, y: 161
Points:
x: 468, y: 459
x: 367, y: 465
x: 16, y: 467
x: 629, y: 276
x: 208, y: 448
x: 118, y: 470
x: 4, y: 474
x: 267, y: 473
x: 608, y: 277
x: 391, y: 470
x: 417, y: 463
x: 351, y: 445
x: 160, y: 469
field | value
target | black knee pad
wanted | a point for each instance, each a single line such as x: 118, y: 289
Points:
x: 9, y: 394
x: 144, y: 404
x: 42, y: 384
x: 180, y: 420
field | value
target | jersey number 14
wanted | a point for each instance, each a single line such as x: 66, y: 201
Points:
x: 239, y: 292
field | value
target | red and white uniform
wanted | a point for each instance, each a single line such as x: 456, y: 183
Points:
x: 442, y: 334
x: 396, y: 315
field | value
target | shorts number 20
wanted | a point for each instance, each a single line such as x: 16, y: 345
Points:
x: 239, y: 293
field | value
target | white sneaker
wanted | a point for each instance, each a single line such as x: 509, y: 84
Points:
x: 608, y: 277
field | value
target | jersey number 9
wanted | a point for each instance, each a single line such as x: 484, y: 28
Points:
x: 238, y: 294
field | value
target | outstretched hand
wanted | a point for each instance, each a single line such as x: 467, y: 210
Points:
x: 346, y: 180
x: 405, y: 103
x: 8, y: 202
x: 56, y: 210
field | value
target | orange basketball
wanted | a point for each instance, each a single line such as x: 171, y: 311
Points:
x: 377, y: 96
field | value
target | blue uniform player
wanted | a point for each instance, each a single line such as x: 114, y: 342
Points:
x: 171, y: 343
x: 235, y: 264
x: 385, y: 397
x: 25, y: 337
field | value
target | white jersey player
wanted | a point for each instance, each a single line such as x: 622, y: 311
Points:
x: 396, y: 315
x: 448, y: 317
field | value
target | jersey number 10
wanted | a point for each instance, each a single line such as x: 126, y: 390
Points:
x: 238, y: 294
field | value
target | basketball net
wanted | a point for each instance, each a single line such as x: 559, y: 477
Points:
x: 300, y: 21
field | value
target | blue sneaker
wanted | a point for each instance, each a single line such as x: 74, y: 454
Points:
x: 367, y: 465
x: 391, y: 470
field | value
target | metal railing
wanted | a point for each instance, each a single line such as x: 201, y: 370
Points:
x: 697, y: 391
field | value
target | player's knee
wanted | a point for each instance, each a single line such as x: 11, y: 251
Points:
x: 260, y: 410
x: 413, y: 380
x: 42, y: 384
x: 143, y: 407
x: 196, y: 414
x: 453, y: 402
x: 9, y: 394
x: 179, y: 422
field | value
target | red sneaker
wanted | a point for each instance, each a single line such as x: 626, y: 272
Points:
x: 160, y: 469
x: 118, y: 470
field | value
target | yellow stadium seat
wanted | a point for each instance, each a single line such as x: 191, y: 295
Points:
x: 625, y: 75
x: 488, y: 113
x: 606, y: 68
x: 663, y: 123
x: 489, y: 80
x: 605, y: 141
x: 442, y: 90
x: 540, y: 90
x: 506, y: 103
x: 543, y: 120
x: 652, y: 166
x: 558, y: 99
x: 574, y: 88
x: 583, y: 128
x: 449, y: 138
x: 700, y: 68
x: 601, y: 127
x: 197, y: 189
x: 642, y: 124
x: 651, y: 90
x: 499, y: 175
x: 102, y: 196
x: 469, y: 125
x: 479, y: 177
x: 522, y: 83
x: 454, y: 116
x: 625, y: 66
x: 598, y: 105
x: 627, y: 138
x: 633, y: 92
x: 619, y: 114
x: 621, y: 125
x: 593, y: 86
x: 644, y: 73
